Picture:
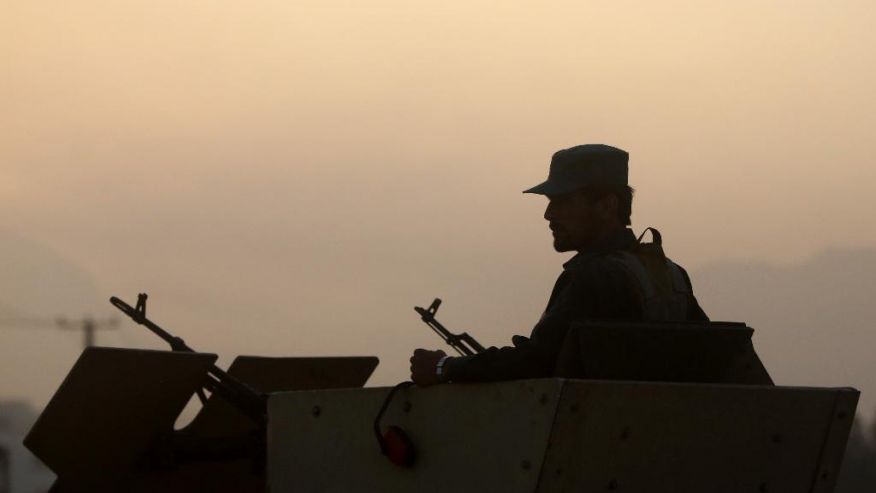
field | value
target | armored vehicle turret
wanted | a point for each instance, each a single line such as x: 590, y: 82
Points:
x: 671, y: 407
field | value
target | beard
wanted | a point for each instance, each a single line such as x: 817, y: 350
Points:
x: 562, y: 242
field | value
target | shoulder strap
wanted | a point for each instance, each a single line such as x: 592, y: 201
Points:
x: 656, y: 237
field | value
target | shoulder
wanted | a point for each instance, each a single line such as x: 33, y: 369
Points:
x: 584, y: 264
x: 599, y: 287
x: 598, y: 270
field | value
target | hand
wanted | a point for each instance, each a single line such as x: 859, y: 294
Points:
x: 424, y: 365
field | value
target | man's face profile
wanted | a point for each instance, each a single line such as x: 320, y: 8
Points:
x: 576, y: 221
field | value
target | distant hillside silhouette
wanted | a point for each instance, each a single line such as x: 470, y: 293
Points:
x: 814, y: 325
x: 38, y: 284
x: 38, y: 281
x: 814, y: 322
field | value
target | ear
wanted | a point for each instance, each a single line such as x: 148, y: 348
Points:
x: 607, y: 207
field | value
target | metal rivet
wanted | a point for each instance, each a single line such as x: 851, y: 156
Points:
x: 525, y: 465
x: 316, y: 411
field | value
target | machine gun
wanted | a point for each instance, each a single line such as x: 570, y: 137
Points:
x: 240, y: 395
x: 463, y: 343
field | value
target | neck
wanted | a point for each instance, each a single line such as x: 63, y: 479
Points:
x: 601, y: 236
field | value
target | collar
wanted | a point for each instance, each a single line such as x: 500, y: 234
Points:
x: 622, y: 240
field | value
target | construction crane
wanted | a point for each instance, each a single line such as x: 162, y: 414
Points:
x: 87, y: 324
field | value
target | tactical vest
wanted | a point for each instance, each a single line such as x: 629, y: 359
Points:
x: 663, y: 289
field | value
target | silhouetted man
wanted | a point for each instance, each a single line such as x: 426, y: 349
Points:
x: 614, y: 276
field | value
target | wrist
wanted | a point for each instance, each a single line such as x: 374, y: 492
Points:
x: 441, y: 368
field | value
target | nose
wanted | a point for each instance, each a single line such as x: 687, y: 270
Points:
x: 549, y: 211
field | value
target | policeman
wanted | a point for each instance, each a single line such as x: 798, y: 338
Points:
x: 614, y: 275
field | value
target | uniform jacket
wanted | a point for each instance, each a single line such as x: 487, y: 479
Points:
x: 592, y: 286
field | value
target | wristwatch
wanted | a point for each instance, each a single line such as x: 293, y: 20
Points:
x: 439, y: 368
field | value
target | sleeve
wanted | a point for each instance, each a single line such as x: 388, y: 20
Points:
x: 577, y: 295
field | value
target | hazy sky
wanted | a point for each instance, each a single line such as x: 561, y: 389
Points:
x: 290, y: 178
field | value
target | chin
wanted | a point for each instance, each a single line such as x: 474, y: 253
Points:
x: 562, y: 247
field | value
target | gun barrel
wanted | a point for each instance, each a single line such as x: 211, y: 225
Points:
x: 138, y: 316
x: 463, y: 343
x: 240, y: 395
